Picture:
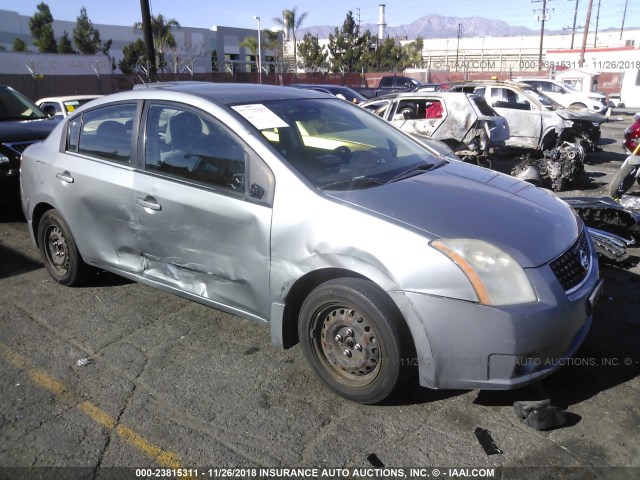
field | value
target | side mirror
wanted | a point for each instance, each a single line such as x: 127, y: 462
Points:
x: 50, y: 110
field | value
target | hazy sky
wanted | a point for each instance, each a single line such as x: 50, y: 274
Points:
x: 240, y: 13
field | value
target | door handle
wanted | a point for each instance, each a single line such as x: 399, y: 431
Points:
x: 149, y: 203
x: 65, y: 177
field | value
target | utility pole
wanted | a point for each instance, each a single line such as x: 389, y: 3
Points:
x: 586, y: 32
x: 542, y: 17
x: 573, y: 29
x: 595, y: 38
x: 148, y: 39
x: 358, y: 9
x: 458, y: 44
x: 624, y: 15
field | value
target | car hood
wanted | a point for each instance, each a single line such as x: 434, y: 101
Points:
x: 463, y: 201
x: 570, y: 114
x: 26, y: 130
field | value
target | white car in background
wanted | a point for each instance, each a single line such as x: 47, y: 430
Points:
x: 63, y: 106
x: 566, y: 95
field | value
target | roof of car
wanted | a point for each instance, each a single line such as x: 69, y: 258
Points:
x: 235, y: 93
x: 67, y: 98
x: 323, y: 85
x: 419, y: 94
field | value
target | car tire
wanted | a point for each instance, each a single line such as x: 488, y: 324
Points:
x: 356, y: 340
x: 59, y: 252
x: 622, y: 180
x: 577, y: 106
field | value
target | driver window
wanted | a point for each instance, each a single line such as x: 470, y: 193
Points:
x: 185, y: 144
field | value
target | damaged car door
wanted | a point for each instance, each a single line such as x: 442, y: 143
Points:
x: 203, y: 231
x: 91, y: 178
x: 525, y: 123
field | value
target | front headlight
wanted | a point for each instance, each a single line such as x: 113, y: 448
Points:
x: 4, y: 159
x: 497, y: 278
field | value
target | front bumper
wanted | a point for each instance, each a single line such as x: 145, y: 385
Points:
x: 466, y: 345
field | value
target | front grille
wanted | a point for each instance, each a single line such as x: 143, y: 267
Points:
x: 573, y: 265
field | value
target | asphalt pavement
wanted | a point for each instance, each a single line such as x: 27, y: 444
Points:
x: 119, y: 375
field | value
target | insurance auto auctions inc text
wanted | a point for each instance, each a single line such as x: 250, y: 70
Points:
x: 352, y: 473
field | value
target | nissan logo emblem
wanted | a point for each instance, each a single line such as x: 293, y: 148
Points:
x: 584, y: 259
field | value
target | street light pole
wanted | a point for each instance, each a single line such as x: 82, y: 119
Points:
x: 259, y: 52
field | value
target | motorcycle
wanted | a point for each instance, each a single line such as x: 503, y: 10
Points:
x: 629, y: 171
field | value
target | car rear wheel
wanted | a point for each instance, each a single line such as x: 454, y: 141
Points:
x: 356, y: 340
x: 59, y: 252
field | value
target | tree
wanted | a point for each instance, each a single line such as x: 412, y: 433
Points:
x: 133, y: 54
x: 41, y: 26
x: 251, y: 44
x: 85, y: 36
x: 390, y: 56
x: 162, y: 36
x: 19, y: 45
x: 185, y: 55
x: 313, y: 57
x: 64, y: 44
x: 414, y: 53
x: 291, y: 22
x: 349, y: 50
x: 272, y: 45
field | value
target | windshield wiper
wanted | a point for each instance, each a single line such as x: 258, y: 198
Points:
x: 352, y: 182
x: 415, y: 170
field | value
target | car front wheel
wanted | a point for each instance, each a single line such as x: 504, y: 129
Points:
x: 59, y: 252
x: 355, y: 339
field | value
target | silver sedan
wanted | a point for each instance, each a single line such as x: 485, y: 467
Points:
x: 325, y: 223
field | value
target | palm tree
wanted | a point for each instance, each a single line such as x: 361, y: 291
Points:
x: 291, y: 22
x: 162, y: 36
x: 251, y: 44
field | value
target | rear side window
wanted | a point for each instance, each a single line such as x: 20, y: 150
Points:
x: 105, y: 132
x: 484, y: 107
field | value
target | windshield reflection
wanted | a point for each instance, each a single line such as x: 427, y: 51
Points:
x: 337, y: 146
x: 14, y: 106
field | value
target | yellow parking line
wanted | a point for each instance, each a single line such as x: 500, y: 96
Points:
x: 95, y: 413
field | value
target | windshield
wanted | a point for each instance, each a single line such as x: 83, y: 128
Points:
x: 336, y: 145
x: 14, y: 106
x: 543, y: 99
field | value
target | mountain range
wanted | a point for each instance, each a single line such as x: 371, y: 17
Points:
x: 434, y: 26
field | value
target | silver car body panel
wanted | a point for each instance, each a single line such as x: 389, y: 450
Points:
x: 246, y: 256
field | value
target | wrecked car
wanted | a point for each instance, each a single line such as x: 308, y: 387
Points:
x: 470, y: 127
x: 383, y: 260
x: 553, y: 140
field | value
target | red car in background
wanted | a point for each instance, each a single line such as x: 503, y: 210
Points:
x: 629, y: 171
